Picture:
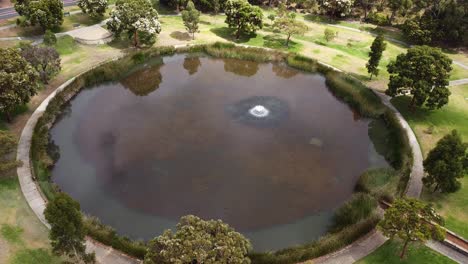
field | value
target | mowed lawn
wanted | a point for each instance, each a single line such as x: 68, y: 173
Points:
x: 23, y: 238
x: 429, y: 127
x: 416, y: 253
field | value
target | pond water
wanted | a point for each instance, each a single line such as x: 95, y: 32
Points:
x: 266, y: 148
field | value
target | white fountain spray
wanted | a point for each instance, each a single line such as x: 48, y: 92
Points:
x: 259, y: 111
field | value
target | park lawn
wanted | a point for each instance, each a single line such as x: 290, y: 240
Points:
x: 429, y: 127
x: 416, y: 253
x: 23, y: 238
x: 458, y: 73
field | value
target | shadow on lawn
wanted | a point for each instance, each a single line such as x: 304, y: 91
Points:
x: 229, y: 34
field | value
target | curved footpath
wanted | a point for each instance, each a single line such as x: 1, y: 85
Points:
x: 107, y: 255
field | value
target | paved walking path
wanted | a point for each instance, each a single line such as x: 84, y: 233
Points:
x: 33, y: 196
x: 104, y: 254
x: 458, y: 82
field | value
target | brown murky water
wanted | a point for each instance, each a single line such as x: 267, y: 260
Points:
x: 176, y: 138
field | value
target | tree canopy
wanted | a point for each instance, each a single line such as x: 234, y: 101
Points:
x: 423, y: 72
x: 198, y: 241
x: 137, y: 18
x: 377, y: 48
x: 48, y: 14
x: 18, y: 81
x: 95, y: 8
x: 288, y: 25
x: 243, y: 17
x: 410, y: 220
x: 446, y: 163
x: 191, y: 18
x: 45, y: 60
x: 7, y: 151
x: 337, y: 8
x: 67, y: 231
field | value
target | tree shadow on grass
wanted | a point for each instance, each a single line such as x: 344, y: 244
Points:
x: 229, y: 34
x: 320, y: 19
x: 402, y: 103
x: 182, y: 36
x: 277, y: 41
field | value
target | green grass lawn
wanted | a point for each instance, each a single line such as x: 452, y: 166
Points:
x: 23, y: 238
x: 389, y: 252
x: 429, y: 127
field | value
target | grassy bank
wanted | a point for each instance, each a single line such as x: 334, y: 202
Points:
x: 430, y: 126
x: 344, y: 87
x: 417, y: 253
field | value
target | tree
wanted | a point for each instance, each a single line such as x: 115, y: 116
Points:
x: 49, y: 38
x: 289, y: 26
x: 45, y: 60
x: 197, y: 241
x: 398, y: 5
x: 95, y: 8
x: 191, y: 18
x: 329, y: 34
x: 366, y: 6
x: 337, y: 8
x: 447, y: 162
x: 424, y: 72
x: 67, y: 233
x: 243, y: 17
x: 18, y: 81
x: 137, y: 18
x: 377, y: 48
x: 48, y: 14
x: 411, y: 220
x: 7, y: 151
x: 216, y: 7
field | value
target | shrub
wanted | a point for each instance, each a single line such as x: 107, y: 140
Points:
x: 359, y: 207
x: 49, y: 38
x: 329, y: 34
x: 378, y: 19
x: 380, y: 182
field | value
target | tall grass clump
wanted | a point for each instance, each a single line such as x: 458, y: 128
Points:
x: 324, y: 245
x: 306, y: 64
x: 355, y: 94
x: 382, y: 183
x: 109, y: 236
x: 232, y: 51
x: 359, y: 207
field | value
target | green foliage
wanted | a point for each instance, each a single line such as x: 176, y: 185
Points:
x: 11, y: 233
x: 398, y: 6
x: 49, y: 38
x: 67, y: 233
x: 446, y: 163
x: 199, y: 241
x: 137, y: 18
x: 48, y: 14
x: 95, y: 8
x: 290, y: 26
x: 411, y: 220
x: 7, y: 151
x: 329, y: 34
x: 18, y: 81
x: 380, y: 182
x: 108, y: 236
x: 45, y: 60
x: 243, y: 17
x: 191, y: 18
x: 359, y: 207
x: 378, y: 19
x: 355, y: 94
x: 377, y: 48
x: 424, y: 72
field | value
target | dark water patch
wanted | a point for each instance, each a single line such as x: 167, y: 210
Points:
x: 164, y: 142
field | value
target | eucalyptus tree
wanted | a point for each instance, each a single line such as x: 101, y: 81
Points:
x: 95, y: 8
x: 243, y: 17
x: 48, y: 14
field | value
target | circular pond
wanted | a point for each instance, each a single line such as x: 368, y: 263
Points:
x: 264, y: 147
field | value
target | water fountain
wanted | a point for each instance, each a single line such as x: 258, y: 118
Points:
x: 259, y: 111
